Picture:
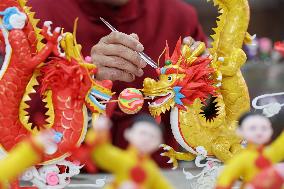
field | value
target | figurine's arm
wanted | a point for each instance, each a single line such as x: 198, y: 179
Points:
x: 104, y: 154
x: 23, y: 156
x: 275, y: 151
x: 232, y: 172
x: 159, y: 181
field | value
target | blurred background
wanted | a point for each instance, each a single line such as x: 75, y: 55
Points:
x: 267, y: 17
x: 264, y: 71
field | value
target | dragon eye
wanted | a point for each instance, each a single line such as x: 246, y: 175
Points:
x: 168, y: 62
x: 170, y: 78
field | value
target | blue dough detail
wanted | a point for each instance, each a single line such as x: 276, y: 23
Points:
x: 178, y: 95
x: 6, y: 16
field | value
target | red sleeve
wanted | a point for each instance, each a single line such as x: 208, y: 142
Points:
x: 199, y: 34
x: 193, y: 26
x: 62, y: 14
x: 180, y: 19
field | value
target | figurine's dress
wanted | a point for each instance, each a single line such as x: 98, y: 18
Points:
x: 245, y: 164
x: 127, y: 166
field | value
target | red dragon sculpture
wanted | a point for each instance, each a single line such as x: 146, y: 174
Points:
x: 54, y: 72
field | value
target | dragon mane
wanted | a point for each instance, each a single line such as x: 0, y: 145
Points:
x: 198, y: 82
x: 59, y: 74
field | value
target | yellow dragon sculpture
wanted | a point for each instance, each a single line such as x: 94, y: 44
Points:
x: 209, y: 122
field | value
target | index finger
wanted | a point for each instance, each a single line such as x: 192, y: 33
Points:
x: 123, y: 39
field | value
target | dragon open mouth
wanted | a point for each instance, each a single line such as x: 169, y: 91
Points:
x: 100, y: 99
x: 160, y: 100
x: 160, y: 103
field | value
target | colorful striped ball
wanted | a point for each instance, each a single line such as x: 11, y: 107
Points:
x: 130, y: 101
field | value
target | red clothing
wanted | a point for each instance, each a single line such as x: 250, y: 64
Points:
x: 155, y: 21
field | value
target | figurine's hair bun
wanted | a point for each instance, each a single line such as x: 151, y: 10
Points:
x: 147, y: 118
x: 249, y: 114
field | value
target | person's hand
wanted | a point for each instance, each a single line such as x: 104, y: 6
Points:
x: 189, y: 41
x: 116, y: 57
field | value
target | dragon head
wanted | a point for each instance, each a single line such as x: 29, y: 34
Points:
x: 99, y: 92
x: 182, y: 80
x: 71, y: 76
x: 73, y: 79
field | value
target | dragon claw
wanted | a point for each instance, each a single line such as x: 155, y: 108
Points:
x: 53, y: 37
x: 174, y: 168
x: 47, y: 23
x: 170, y: 161
x: 58, y: 49
x: 167, y: 148
x: 46, y: 30
x: 162, y: 154
x: 48, y: 35
x: 57, y: 30
x: 171, y: 154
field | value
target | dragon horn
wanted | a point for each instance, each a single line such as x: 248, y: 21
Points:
x: 167, y: 53
x: 177, y: 52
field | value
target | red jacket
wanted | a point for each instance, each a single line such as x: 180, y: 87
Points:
x: 155, y: 21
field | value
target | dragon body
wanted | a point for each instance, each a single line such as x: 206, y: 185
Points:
x: 202, y: 115
x: 54, y: 72
x: 20, y: 62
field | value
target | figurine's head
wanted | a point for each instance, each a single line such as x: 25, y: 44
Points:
x: 145, y: 134
x: 13, y: 18
x: 255, y: 128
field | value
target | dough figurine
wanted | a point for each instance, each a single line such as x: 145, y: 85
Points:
x: 187, y: 81
x: 132, y: 168
x: 264, y: 179
x: 257, y: 130
x: 25, y: 154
